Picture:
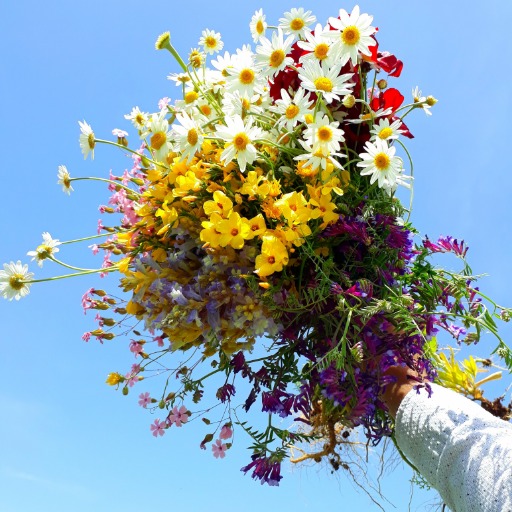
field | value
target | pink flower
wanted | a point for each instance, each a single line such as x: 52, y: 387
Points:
x: 159, y: 340
x: 136, y: 348
x: 116, y: 132
x: 144, y: 399
x: 157, y: 428
x: 95, y: 249
x: 86, y: 336
x: 225, y: 432
x: 219, y: 449
x: 164, y: 102
x: 178, y: 416
x: 87, y: 301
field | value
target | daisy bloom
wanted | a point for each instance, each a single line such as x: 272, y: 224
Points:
x: 325, y: 80
x: 45, y: 250
x: 219, y: 449
x: 296, y: 21
x: 323, y: 134
x: 292, y: 110
x: 273, y: 55
x: 239, y: 139
x: 240, y: 104
x: 138, y: 118
x: 318, y: 158
x: 352, y: 35
x: 258, y: 25
x: 178, y: 79
x: 244, y: 76
x: 189, y: 136
x: 380, y: 163
x: 64, y: 179
x: 386, y: 131
x: 160, y: 136
x: 13, y: 280
x: 87, y: 141
x: 210, y: 41
x: 423, y: 102
x: 318, y: 44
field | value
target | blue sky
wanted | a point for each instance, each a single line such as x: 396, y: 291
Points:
x: 69, y: 442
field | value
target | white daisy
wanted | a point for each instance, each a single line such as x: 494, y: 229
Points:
x: 319, y: 157
x: 318, y: 44
x: 189, y: 136
x: 244, y: 76
x: 45, y: 250
x: 371, y: 116
x: 87, y: 141
x: 240, y: 104
x: 64, y: 179
x: 296, y: 21
x: 159, y: 136
x: 210, y: 41
x: 223, y: 62
x: 14, y: 280
x: 380, y: 163
x: 239, y: 138
x: 258, y: 25
x: 385, y: 131
x: 321, y: 134
x: 292, y: 110
x: 327, y: 81
x: 138, y: 118
x: 352, y: 35
x: 179, y: 78
x: 272, y: 56
x: 422, y: 101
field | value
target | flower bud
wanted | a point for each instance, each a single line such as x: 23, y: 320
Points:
x: 349, y: 101
x: 431, y: 101
x: 382, y: 84
x: 125, y: 391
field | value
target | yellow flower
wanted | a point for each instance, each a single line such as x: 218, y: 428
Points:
x: 272, y: 258
x: 324, y: 209
x: 168, y: 216
x: 294, y: 207
x: 221, y: 204
x: 210, y: 235
x: 187, y: 185
x: 253, y: 186
x: 114, y: 379
x: 256, y: 227
x: 234, y: 231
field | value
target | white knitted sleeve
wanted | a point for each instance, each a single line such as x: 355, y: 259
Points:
x: 461, y: 450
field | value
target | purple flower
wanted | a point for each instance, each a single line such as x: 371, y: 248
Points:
x: 264, y: 469
x: 447, y: 244
x: 225, y: 392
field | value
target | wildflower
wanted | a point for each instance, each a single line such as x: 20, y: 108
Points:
x: 386, y: 131
x: 258, y: 25
x: 326, y: 80
x: 210, y: 41
x: 219, y: 449
x: 113, y: 379
x: 318, y: 45
x: 352, y: 34
x: 163, y: 41
x: 189, y: 136
x: 138, y: 118
x: 244, y: 76
x: 157, y: 428
x: 272, y: 258
x: 380, y: 163
x: 64, y: 179
x: 44, y: 250
x: 160, y: 136
x: 225, y: 432
x: 15, y: 280
x: 273, y: 54
x: 179, y: 416
x: 322, y: 134
x: 240, y: 141
x: 292, y: 110
x: 87, y: 141
x: 421, y: 101
x: 296, y: 21
x: 144, y: 399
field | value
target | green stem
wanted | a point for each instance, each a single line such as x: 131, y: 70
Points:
x: 85, y: 238
x: 96, y: 271
x: 116, y: 183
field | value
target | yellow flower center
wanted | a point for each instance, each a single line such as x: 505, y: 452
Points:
x: 321, y: 51
x: 260, y: 28
x: 246, y: 76
x: 16, y: 282
x: 271, y: 260
x: 240, y: 141
x: 297, y: 24
x: 351, y: 35
x: 192, y: 137
x: 246, y: 104
x: 196, y: 59
x: 234, y: 232
x: 139, y: 119
x: 276, y: 58
x: 291, y: 111
x: 210, y: 42
x: 205, y: 109
x: 323, y: 84
x: 90, y: 141
x: 191, y: 96
x: 385, y: 133
x: 157, y: 140
x: 324, y: 133
x: 381, y: 161
x: 308, y: 118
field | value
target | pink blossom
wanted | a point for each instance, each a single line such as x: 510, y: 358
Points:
x: 159, y: 340
x: 100, y: 226
x: 219, y: 449
x: 178, y: 416
x: 164, y: 102
x: 144, y: 399
x: 226, y: 432
x: 95, y: 249
x: 86, y: 336
x: 116, y: 132
x: 157, y: 428
x: 136, y: 348
x: 87, y: 301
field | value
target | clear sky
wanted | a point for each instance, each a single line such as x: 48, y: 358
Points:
x: 68, y: 441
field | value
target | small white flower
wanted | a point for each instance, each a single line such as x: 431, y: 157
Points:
x: 327, y: 81
x: 158, y: 131
x: 352, y: 35
x: 258, y: 25
x: 138, y: 118
x: 421, y: 100
x: 321, y: 134
x: 178, y: 78
x: 87, y: 141
x: 380, y: 163
x: 210, y: 41
x: 240, y: 104
x: 272, y: 56
x: 318, y: 44
x: 292, y: 110
x: 189, y: 136
x: 13, y: 280
x: 385, y: 131
x: 296, y: 21
x: 64, y: 179
x: 45, y: 250
x: 239, y: 138
x: 319, y: 157
x: 244, y: 76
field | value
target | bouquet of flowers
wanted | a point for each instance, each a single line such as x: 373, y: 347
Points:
x: 260, y: 241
